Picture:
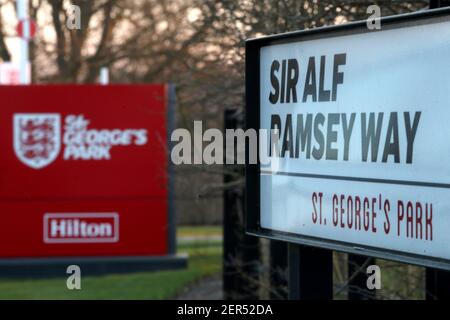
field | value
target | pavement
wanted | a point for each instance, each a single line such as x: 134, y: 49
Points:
x: 209, y: 288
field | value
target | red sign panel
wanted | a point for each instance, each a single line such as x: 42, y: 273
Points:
x: 83, y: 170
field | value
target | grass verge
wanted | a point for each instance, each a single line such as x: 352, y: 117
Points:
x: 205, y: 258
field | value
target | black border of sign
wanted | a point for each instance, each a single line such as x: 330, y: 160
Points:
x: 252, y: 115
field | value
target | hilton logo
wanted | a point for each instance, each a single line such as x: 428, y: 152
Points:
x: 81, y: 227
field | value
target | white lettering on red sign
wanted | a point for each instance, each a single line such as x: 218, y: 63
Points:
x: 81, y: 227
x: 37, y: 139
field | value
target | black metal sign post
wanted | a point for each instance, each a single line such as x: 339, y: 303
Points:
x: 310, y: 273
x: 310, y: 255
x: 278, y: 268
x: 357, y: 278
x: 439, y: 4
x: 231, y: 279
x: 240, y: 252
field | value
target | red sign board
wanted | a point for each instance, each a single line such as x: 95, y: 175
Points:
x: 83, y: 171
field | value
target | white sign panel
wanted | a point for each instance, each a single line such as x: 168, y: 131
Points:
x: 363, y: 151
x: 10, y: 73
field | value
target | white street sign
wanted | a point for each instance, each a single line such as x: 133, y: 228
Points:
x: 363, y: 154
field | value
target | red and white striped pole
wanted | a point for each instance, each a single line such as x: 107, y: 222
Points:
x: 22, y: 14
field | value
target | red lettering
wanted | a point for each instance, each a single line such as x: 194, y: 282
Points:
x: 429, y: 221
x: 400, y: 215
x: 387, y: 223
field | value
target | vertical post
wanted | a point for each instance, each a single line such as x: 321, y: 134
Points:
x: 439, y: 3
x: 171, y: 219
x: 310, y: 273
x: 22, y: 14
x: 250, y: 263
x: 104, y: 76
x: 437, y: 281
x: 357, y: 284
x: 278, y: 268
x: 437, y: 284
x: 230, y: 244
x: 230, y: 271
x: 240, y: 252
